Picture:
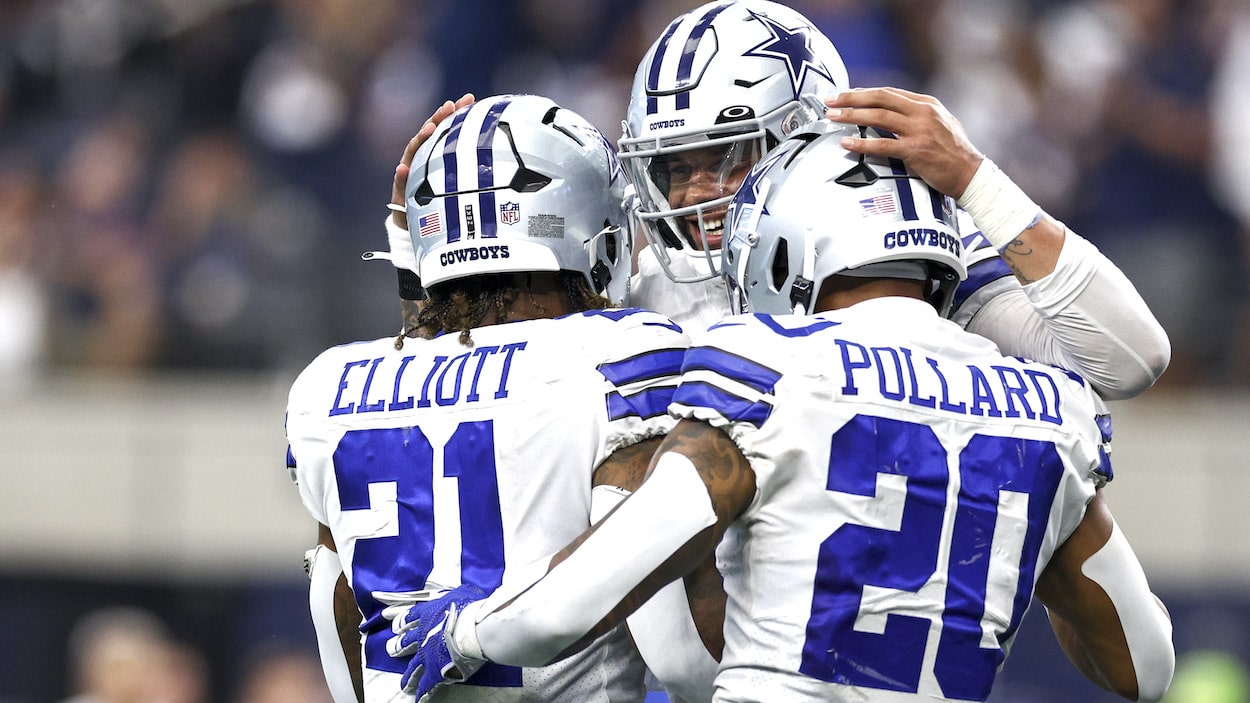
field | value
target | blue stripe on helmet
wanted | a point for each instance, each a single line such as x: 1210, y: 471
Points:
x: 936, y: 199
x: 686, y: 61
x: 906, y: 198
x: 653, y: 71
x: 486, y: 167
x: 687, y: 53
x: 451, y: 184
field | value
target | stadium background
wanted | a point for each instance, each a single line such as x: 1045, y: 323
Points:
x: 186, y: 187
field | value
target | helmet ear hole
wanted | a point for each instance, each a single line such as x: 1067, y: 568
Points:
x: 609, y: 243
x: 780, y: 270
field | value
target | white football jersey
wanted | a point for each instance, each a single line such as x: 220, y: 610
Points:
x: 694, y: 306
x: 441, y: 464
x: 912, y: 483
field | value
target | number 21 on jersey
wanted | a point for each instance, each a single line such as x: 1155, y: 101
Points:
x: 371, y: 464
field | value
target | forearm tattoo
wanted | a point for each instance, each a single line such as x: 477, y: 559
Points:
x: 1013, y: 253
x: 726, y: 471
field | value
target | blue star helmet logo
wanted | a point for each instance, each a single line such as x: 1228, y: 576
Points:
x: 793, y: 46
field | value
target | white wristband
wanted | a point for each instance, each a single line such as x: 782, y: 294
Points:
x: 463, y: 641
x: 401, y: 252
x: 997, y: 205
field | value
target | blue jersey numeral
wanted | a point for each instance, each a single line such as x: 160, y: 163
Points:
x: 869, y: 626
x: 386, y: 476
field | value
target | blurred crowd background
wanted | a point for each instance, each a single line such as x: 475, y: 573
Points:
x: 187, y: 185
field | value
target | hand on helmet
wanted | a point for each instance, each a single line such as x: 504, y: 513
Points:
x: 930, y: 140
x: 399, y: 216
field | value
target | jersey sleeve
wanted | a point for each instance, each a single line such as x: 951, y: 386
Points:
x: 1088, y: 425
x: 723, y: 388
x: 302, y: 437
x: 1085, y: 316
x: 988, y: 275
x: 641, y: 367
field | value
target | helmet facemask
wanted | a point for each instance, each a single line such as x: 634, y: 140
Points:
x: 736, y: 78
x: 685, y: 186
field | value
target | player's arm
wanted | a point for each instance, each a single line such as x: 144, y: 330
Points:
x: 1108, y: 622
x: 399, y: 216
x: 336, y: 620
x: 698, y: 482
x: 401, y: 252
x: 1082, y: 312
x: 679, y: 630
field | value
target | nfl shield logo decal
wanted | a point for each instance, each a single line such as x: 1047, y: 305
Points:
x: 510, y: 213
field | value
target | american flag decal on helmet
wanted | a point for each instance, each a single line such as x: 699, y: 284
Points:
x: 429, y: 224
x: 880, y: 204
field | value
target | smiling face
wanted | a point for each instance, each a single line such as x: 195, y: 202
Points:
x: 700, y: 182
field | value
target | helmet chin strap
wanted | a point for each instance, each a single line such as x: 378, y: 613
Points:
x: 601, y: 272
x: 801, y: 292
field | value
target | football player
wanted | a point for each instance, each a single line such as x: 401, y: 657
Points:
x: 727, y: 81
x: 456, y: 455
x: 886, y: 491
x: 719, y: 88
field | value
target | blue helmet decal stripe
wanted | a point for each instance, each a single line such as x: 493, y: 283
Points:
x: 906, y: 198
x: 936, y: 199
x: 486, y: 168
x: 687, y: 54
x: 451, y: 178
x: 653, y: 72
x: 685, y: 63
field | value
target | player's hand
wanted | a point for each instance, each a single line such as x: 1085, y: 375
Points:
x: 930, y: 140
x: 399, y: 216
x: 423, y: 633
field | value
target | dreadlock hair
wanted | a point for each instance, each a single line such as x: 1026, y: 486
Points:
x: 461, y: 304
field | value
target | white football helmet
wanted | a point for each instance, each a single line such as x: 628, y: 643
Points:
x: 721, y: 86
x: 516, y: 183
x: 812, y: 209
